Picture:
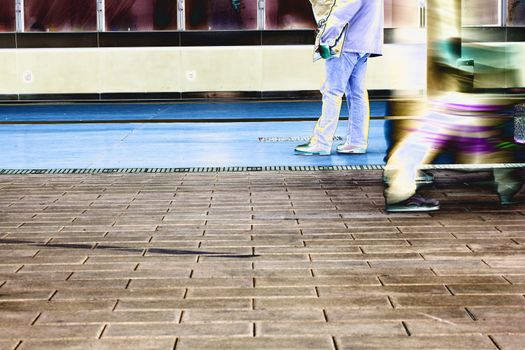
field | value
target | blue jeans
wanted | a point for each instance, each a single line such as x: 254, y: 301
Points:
x: 345, y: 75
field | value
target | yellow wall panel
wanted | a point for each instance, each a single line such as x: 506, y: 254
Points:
x: 58, y: 70
x: 8, y: 75
x: 140, y: 70
x: 221, y: 68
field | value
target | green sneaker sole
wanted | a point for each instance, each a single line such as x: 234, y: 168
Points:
x: 303, y: 153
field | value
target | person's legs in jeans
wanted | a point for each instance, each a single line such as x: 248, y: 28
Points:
x: 338, y: 72
x: 358, y: 106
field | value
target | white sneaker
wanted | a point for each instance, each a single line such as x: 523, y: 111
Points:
x: 351, y: 149
x: 312, y: 149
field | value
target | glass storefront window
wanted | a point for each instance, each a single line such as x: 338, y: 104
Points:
x: 516, y: 13
x: 289, y: 14
x: 7, y: 16
x: 402, y: 14
x: 141, y: 15
x: 481, y: 12
x: 60, y: 15
x: 221, y: 14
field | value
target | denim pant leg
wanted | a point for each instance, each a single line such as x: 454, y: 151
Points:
x: 338, y: 72
x: 358, y: 105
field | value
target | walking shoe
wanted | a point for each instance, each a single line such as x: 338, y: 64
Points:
x: 351, y: 149
x: 510, y: 200
x: 415, y: 203
x: 422, y: 178
x: 310, y: 149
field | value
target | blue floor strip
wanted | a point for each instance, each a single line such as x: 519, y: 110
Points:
x: 165, y: 112
x: 172, y: 145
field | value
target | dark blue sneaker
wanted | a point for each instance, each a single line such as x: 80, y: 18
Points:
x: 415, y: 203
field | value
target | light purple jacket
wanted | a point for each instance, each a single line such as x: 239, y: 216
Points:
x: 354, y: 26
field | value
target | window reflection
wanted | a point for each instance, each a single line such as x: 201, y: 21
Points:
x: 480, y: 12
x: 60, y: 15
x: 289, y: 14
x: 516, y: 12
x: 401, y: 14
x: 221, y: 14
x: 7, y: 16
x: 141, y: 15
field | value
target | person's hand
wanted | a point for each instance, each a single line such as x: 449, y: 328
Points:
x: 236, y: 4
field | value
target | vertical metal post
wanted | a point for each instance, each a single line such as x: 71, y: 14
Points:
x: 504, y: 12
x: 181, y: 15
x: 19, y: 16
x: 101, y: 16
x: 261, y: 14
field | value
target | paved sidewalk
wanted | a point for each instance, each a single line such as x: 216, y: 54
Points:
x: 260, y: 260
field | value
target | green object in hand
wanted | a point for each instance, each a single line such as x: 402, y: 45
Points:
x: 325, y: 51
x: 236, y: 4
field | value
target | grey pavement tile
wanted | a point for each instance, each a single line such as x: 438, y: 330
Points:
x: 237, y: 273
x: 458, y: 300
x: 435, y: 327
x: 9, y: 268
x: 110, y: 275
x: 39, y: 260
x: 460, y: 270
x: 149, y: 259
x: 336, y: 264
x: 17, y: 318
x: 415, y: 342
x: 257, y: 343
x: 441, y: 280
x: 191, y: 283
x: 8, y: 344
x: 262, y: 292
x: 317, y: 281
x: 503, y: 314
x: 99, y: 344
x: 511, y: 341
x: 382, y: 290
x: 112, y: 317
x: 516, y: 278
x: 207, y: 304
x: 434, y: 264
x: 360, y: 271
x: 70, y: 306
x: 178, y: 330
x: 305, y: 250
x: 420, y: 250
x: 124, y: 267
x: 336, y: 314
x: 22, y: 253
x: 50, y: 332
x: 64, y: 285
x: 218, y: 316
x: 120, y: 294
x: 482, y: 289
x: 333, y: 328
x: 364, y: 256
x: 310, y: 302
x: 205, y: 262
x: 31, y: 276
